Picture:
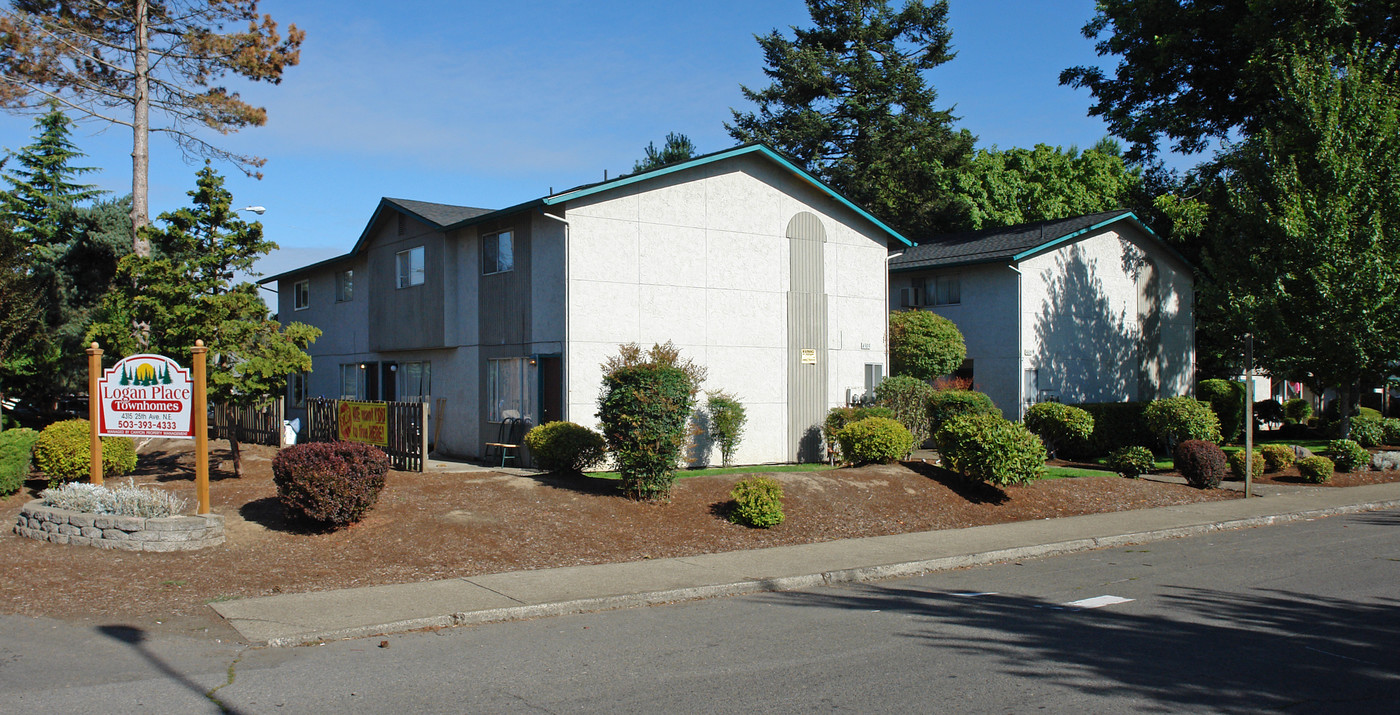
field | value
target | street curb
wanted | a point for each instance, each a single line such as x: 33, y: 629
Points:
x: 792, y: 583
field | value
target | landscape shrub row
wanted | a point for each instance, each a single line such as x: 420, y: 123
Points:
x: 16, y: 458
x: 63, y: 452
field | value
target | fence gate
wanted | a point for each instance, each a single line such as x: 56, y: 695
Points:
x: 406, y: 433
x: 249, y: 425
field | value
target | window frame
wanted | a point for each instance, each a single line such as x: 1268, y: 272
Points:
x: 357, y: 376
x: 522, y: 399
x: 345, y: 285
x: 423, y: 376
x: 414, y: 259
x: 494, y: 259
x: 296, y: 389
x: 936, y: 287
x: 301, y: 294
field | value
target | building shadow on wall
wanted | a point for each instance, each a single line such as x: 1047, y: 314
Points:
x: 1089, y: 351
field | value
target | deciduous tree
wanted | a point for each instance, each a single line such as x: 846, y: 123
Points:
x: 1004, y: 188
x: 117, y: 60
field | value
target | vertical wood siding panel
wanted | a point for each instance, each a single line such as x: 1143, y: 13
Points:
x: 806, y: 323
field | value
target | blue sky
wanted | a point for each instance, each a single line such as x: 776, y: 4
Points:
x: 491, y: 104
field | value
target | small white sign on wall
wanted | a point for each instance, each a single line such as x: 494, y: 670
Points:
x: 809, y: 356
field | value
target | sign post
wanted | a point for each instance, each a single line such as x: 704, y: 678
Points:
x: 201, y: 429
x: 1248, y: 413
x: 94, y: 414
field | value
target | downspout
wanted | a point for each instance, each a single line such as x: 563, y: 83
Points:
x: 1020, y: 348
x: 564, y: 352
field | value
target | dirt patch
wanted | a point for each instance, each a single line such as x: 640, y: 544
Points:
x: 442, y: 525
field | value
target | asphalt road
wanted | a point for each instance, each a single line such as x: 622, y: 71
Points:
x: 1298, y: 618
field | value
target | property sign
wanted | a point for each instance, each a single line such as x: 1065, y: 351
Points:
x: 809, y: 356
x: 146, y: 396
x: 366, y: 422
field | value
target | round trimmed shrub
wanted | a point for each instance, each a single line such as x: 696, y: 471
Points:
x: 1226, y: 400
x: 565, y: 447
x: 924, y: 345
x: 1061, y: 427
x: 331, y: 483
x: 1367, y: 430
x: 1391, y: 426
x: 1237, y: 463
x: 758, y: 502
x: 1200, y: 462
x: 839, y: 417
x: 988, y: 448
x: 16, y: 458
x: 1316, y: 469
x: 874, y: 440
x: 908, y: 398
x: 1179, y: 419
x: 1131, y: 462
x: 1347, y: 455
x: 1277, y: 456
x: 944, y: 405
x: 1297, y: 410
x: 63, y: 453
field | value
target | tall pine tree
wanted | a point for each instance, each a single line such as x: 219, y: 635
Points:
x: 850, y: 101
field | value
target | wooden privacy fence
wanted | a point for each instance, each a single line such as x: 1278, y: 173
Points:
x: 249, y: 425
x: 405, y: 434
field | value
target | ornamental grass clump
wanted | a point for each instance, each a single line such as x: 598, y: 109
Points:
x: 758, y: 502
x: 1316, y: 469
x: 332, y: 483
x: 988, y: 448
x: 565, y: 447
x: 1277, y: 456
x: 122, y: 500
x: 1131, y: 462
x: 63, y: 453
x: 16, y: 458
x: 874, y: 440
x: 1200, y: 462
x: 1062, y: 427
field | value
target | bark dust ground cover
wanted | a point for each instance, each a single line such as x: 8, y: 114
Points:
x: 440, y: 525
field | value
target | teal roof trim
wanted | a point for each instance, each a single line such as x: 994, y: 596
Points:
x: 1129, y: 216
x: 719, y: 156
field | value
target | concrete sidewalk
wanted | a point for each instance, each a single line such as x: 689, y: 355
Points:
x: 293, y: 619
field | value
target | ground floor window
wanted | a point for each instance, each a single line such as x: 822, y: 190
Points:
x: 415, y: 381
x: 296, y: 389
x: 510, y: 389
x: 874, y: 375
x: 352, y: 381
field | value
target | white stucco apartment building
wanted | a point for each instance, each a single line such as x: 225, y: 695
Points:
x: 753, y: 268
x: 1093, y: 308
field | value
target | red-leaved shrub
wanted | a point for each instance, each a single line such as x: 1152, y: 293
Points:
x: 1201, y: 462
x: 334, y: 483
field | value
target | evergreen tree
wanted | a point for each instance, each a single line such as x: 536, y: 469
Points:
x: 850, y: 102
x: 19, y: 311
x: 678, y: 148
x: 42, y: 185
x: 185, y: 292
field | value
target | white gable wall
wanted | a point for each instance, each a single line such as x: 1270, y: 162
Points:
x: 700, y: 258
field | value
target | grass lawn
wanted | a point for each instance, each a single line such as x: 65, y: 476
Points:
x: 752, y: 469
x: 1070, y: 472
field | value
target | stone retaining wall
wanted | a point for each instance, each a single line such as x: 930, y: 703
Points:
x: 127, y: 533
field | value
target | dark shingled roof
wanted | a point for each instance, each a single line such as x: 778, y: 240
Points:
x: 440, y: 214
x: 995, y: 244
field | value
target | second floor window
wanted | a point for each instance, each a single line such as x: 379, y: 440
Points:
x: 344, y: 286
x: 410, y: 267
x: 301, y: 295
x: 497, y: 253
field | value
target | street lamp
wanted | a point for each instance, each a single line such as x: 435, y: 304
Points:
x: 255, y: 209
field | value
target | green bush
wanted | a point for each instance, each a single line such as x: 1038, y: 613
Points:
x: 1116, y: 425
x: 331, y: 483
x: 1277, y: 456
x: 874, y: 440
x: 924, y: 345
x: 565, y: 448
x: 1061, y: 427
x: 16, y: 458
x: 1178, y: 419
x: 1316, y: 469
x: 63, y: 453
x: 758, y: 502
x: 908, y: 398
x: 727, y: 419
x: 1297, y: 411
x: 645, y: 404
x: 944, y: 405
x: 1200, y: 462
x: 839, y: 417
x: 1368, y: 431
x: 1226, y: 399
x: 1237, y: 464
x: 1391, y: 426
x: 1131, y: 461
x: 1347, y: 455
x: 989, y: 448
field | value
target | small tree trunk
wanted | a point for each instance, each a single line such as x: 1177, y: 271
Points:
x: 237, y: 455
x: 1350, y: 398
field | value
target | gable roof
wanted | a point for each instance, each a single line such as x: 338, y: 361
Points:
x: 1010, y: 243
x: 447, y: 217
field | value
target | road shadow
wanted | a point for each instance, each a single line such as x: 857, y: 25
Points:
x: 136, y: 638
x: 975, y: 492
x: 1274, y: 650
